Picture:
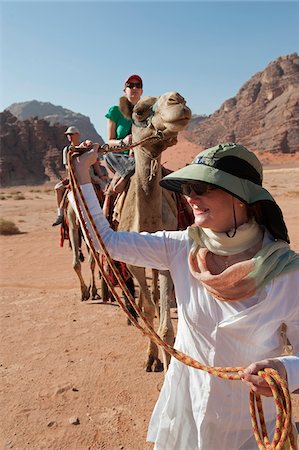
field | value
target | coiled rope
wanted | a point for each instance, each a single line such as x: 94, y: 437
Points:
x: 283, y: 436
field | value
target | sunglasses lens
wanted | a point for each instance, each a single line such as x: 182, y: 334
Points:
x: 131, y: 85
x: 198, y: 188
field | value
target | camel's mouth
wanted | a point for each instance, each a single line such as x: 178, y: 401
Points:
x: 183, y: 119
x: 179, y: 123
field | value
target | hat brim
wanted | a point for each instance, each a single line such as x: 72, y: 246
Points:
x: 241, y: 188
x: 134, y: 77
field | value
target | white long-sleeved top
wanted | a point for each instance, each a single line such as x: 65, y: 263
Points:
x: 196, y: 411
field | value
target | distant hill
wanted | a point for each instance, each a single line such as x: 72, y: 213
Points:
x: 55, y: 115
x: 32, y: 138
x: 31, y: 150
x: 263, y: 116
x: 195, y: 120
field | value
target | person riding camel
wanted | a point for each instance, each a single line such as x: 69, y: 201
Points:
x: 122, y: 163
x: 73, y: 137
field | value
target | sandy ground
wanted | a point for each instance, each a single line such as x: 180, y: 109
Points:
x: 62, y: 359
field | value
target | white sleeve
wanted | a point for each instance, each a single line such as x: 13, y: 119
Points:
x: 291, y: 364
x: 153, y: 250
x: 64, y: 156
x: 290, y: 297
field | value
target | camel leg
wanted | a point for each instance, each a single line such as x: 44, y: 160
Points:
x: 155, y: 291
x: 92, y: 286
x: 130, y: 285
x: 139, y: 299
x: 77, y: 267
x: 153, y: 362
x: 106, y: 295
x: 74, y: 240
x: 165, y: 330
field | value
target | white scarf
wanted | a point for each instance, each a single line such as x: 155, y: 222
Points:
x: 241, y: 279
x: 247, y: 235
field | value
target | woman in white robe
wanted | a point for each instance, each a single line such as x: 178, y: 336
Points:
x: 236, y: 282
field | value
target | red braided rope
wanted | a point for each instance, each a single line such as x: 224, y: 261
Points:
x: 283, y: 430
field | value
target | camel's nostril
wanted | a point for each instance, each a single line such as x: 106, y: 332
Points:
x: 173, y: 101
x: 176, y: 99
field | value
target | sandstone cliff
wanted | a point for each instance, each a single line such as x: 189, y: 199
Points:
x: 31, y: 150
x: 263, y: 116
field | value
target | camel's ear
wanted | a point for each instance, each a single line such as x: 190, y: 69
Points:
x: 126, y: 107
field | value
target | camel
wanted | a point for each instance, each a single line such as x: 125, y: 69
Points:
x: 148, y: 207
x: 74, y: 236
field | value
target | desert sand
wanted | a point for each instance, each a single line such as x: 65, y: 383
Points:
x: 63, y: 360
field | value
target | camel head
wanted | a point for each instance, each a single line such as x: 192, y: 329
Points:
x: 167, y: 114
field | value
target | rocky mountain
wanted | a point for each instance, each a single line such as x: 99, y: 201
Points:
x: 32, y: 138
x: 263, y: 116
x: 31, y: 150
x: 55, y: 115
x: 195, y: 120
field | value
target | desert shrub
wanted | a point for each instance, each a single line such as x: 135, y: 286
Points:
x: 2, y: 197
x: 19, y: 197
x: 7, y: 227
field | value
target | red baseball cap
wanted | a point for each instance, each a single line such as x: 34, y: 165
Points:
x: 134, y: 77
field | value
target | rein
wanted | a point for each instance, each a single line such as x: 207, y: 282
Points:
x: 105, y: 148
x: 283, y: 430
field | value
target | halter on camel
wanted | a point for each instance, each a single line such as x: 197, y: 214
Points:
x: 283, y: 430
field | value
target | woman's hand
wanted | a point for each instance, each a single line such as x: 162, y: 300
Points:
x: 257, y: 383
x: 127, y: 140
x: 86, y: 144
x: 83, y: 162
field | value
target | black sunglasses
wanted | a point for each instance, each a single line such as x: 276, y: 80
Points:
x: 199, y: 188
x: 131, y: 85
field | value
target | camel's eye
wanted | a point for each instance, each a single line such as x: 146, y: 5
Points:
x: 140, y: 112
x: 143, y: 110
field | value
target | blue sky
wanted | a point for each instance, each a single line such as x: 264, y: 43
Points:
x: 77, y: 54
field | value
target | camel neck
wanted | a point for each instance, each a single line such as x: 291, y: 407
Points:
x: 148, y: 171
x: 146, y: 207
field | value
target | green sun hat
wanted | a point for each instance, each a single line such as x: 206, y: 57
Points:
x: 236, y: 170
